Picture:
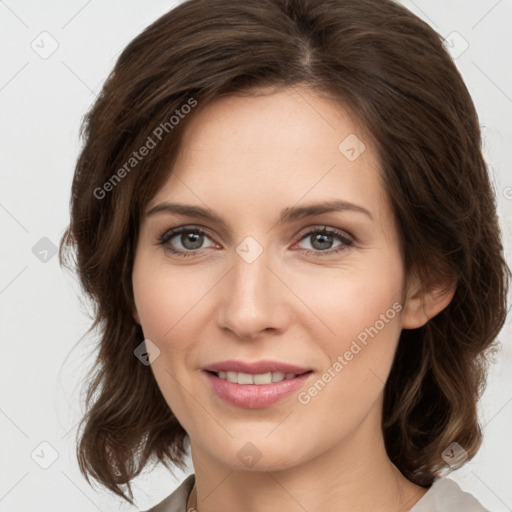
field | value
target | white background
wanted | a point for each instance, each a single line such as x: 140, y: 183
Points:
x: 43, y: 359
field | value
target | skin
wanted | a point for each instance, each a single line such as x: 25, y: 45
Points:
x: 247, y: 158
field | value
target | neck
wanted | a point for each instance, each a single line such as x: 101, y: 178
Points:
x: 354, y: 475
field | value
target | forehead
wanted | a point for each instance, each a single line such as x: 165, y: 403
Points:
x: 274, y: 120
x: 274, y: 148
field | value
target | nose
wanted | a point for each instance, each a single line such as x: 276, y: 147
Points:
x: 254, y: 298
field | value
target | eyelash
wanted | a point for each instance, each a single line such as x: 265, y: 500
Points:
x: 170, y: 234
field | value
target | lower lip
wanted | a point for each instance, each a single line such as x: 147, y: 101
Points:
x: 255, y: 396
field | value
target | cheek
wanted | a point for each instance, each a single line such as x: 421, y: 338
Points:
x: 165, y: 299
x: 365, y: 316
x: 362, y: 309
x: 166, y: 303
x: 345, y: 303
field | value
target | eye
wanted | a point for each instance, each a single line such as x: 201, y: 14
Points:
x: 321, y: 240
x: 190, y: 239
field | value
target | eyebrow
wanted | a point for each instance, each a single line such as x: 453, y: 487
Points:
x: 290, y: 214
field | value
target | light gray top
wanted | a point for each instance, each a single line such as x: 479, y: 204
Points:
x: 444, y: 495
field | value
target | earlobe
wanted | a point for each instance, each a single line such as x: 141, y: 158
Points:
x: 420, y: 305
x: 136, y: 315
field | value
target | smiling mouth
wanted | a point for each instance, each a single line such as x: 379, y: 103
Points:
x: 253, y: 391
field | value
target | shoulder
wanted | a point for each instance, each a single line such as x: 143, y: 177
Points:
x: 177, y: 501
x: 445, y: 495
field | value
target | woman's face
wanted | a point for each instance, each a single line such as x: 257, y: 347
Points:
x: 260, y: 282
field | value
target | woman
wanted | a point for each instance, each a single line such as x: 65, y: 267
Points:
x: 282, y: 214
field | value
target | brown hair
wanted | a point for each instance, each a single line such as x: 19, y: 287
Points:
x: 390, y: 69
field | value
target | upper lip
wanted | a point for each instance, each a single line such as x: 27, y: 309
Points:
x: 255, y: 368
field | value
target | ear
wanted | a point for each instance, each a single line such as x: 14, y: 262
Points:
x: 422, y: 304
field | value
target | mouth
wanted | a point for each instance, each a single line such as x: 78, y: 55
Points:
x: 254, y: 391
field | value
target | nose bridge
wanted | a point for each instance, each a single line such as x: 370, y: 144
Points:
x: 253, y: 299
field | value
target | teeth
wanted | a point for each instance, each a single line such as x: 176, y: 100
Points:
x: 277, y: 376
x: 261, y: 378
